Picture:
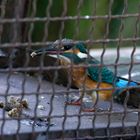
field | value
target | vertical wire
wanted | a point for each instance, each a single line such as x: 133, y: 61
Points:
x: 107, y: 33
x: 138, y: 127
x: 69, y: 74
x: 131, y: 66
x: 34, y: 6
x: 60, y: 37
x: 14, y: 34
x: 2, y: 11
x: 91, y: 33
x: 15, y: 29
x: 103, y: 52
x: 13, y: 51
x: 119, y: 43
x: 48, y: 9
x: 29, y: 36
x: 118, y: 50
x: 30, y: 31
x: 92, y: 27
x: 56, y: 71
x: 101, y: 65
x: 77, y: 24
x: 62, y: 23
x: 28, y: 7
x: 19, y: 12
x: 127, y: 94
x: 80, y: 3
x: 18, y: 27
x: 3, y: 7
x: 83, y: 90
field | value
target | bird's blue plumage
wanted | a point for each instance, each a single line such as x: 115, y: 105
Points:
x: 124, y: 83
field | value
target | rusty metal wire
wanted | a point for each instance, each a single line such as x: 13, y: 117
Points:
x: 43, y: 19
x: 69, y: 122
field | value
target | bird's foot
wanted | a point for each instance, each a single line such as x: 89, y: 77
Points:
x: 74, y: 103
x: 77, y: 102
x: 89, y: 107
x: 92, y: 109
x: 73, y: 100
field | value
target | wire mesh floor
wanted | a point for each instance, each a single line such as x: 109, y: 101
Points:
x: 57, y: 124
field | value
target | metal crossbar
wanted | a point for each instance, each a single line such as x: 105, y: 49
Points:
x: 33, y: 91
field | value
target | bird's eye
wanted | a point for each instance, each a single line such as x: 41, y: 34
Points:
x: 67, y: 47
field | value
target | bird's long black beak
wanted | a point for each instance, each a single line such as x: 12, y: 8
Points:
x: 48, y: 50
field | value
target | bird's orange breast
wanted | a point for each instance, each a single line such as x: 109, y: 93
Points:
x: 81, y: 79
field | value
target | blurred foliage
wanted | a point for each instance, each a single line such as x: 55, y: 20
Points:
x: 85, y: 29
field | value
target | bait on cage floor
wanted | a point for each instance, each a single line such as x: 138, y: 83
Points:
x: 34, y: 91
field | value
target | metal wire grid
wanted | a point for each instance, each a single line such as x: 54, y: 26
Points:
x: 18, y: 19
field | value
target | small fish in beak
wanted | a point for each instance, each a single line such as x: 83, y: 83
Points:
x: 51, y: 49
x: 33, y: 54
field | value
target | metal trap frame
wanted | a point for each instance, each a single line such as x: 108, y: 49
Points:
x: 23, y: 28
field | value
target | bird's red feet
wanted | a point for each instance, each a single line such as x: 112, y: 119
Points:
x: 85, y: 106
x: 73, y: 100
x: 92, y: 109
x: 88, y: 109
x: 77, y: 102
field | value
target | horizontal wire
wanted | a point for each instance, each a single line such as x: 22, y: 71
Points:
x: 100, y: 113
x: 65, y: 18
x: 123, y: 135
x: 45, y: 68
x: 90, y: 42
x: 63, y: 92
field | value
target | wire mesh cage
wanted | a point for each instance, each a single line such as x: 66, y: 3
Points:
x: 69, y: 69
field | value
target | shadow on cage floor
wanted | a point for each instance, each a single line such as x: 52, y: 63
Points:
x: 41, y: 107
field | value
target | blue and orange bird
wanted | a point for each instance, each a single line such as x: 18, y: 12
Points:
x: 91, y: 77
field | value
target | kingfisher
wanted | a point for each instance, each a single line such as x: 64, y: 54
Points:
x: 88, y: 74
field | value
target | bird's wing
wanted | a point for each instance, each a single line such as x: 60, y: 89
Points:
x: 94, y: 72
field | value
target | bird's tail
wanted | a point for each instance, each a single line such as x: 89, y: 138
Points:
x: 123, y: 83
x: 120, y: 94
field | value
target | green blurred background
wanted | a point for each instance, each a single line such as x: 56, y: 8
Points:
x: 87, y: 29
x: 75, y: 29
